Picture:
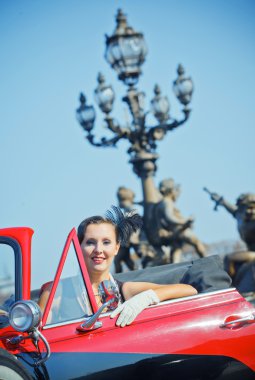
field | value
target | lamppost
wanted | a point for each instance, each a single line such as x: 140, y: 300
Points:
x: 125, y: 52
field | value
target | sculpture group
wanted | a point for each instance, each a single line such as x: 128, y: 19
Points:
x: 166, y: 232
x: 165, y: 227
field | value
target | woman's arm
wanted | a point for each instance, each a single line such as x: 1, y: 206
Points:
x: 44, y: 294
x: 139, y: 295
x: 43, y: 299
x: 163, y: 292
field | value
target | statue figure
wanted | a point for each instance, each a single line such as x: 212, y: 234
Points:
x: 138, y: 241
x: 126, y: 198
x: 244, y: 213
x: 126, y: 202
x: 169, y: 227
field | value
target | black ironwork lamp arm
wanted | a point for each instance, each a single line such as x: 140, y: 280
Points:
x: 104, y: 141
x: 116, y: 128
x: 159, y: 131
x: 176, y: 123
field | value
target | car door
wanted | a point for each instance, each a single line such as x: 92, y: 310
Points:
x: 15, y: 244
x: 208, y: 336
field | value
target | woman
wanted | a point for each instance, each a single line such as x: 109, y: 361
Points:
x: 100, y: 239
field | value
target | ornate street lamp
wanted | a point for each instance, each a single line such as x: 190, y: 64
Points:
x: 183, y: 87
x: 104, y: 95
x: 125, y: 52
x: 86, y: 114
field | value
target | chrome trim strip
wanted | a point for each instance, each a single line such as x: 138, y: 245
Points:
x: 200, y: 295
x: 46, y: 327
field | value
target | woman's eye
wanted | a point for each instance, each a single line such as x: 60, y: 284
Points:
x: 107, y: 242
x: 90, y: 242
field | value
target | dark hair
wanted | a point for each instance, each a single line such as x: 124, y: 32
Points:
x: 125, y: 223
x: 97, y: 219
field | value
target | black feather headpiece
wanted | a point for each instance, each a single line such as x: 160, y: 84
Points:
x: 126, y: 223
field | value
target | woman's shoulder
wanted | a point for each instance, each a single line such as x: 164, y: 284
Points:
x: 119, y: 283
x: 47, y: 286
x: 120, y: 287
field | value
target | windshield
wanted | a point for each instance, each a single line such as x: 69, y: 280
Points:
x: 71, y: 299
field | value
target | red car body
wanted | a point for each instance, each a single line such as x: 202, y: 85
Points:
x: 207, y: 336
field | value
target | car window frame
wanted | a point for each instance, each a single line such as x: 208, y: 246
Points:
x: 71, y: 239
x: 18, y: 269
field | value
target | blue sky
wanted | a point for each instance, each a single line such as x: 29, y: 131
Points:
x: 51, y: 50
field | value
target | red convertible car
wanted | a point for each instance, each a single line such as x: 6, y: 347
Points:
x: 207, y: 336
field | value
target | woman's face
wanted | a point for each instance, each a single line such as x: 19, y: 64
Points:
x: 99, y: 247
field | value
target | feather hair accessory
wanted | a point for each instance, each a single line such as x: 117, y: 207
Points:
x: 126, y: 223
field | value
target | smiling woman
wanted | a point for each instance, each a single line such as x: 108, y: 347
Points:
x: 100, y: 238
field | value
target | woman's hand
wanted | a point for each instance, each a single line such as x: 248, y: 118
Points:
x: 131, y: 308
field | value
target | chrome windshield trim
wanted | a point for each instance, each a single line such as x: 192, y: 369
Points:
x: 64, y: 323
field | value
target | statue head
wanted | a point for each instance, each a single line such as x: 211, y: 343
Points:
x: 246, y: 199
x: 168, y: 187
x: 246, y: 206
x: 125, y: 197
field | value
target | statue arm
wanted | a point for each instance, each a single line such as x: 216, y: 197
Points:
x: 220, y: 201
x: 171, y: 217
x: 228, y: 206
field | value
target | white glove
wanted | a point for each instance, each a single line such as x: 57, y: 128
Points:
x: 132, y: 307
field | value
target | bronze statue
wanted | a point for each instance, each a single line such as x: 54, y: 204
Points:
x: 138, y: 241
x: 244, y: 213
x: 126, y: 202
x: 164, y: 226
x: 170, y: 228
x: 126, y: 198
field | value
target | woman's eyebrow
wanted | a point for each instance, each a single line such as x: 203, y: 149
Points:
x: 95, y: 239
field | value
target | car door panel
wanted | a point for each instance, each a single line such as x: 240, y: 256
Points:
x: 171, y: 330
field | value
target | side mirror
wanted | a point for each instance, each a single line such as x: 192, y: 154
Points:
x: 110, y: 298
x: 108, y: 291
